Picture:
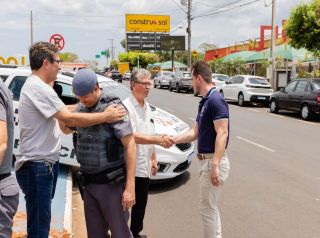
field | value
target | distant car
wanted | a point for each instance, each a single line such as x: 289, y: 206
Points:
x: 181, y: 81
x: 247, y: 88
x: 116, y: 76
x: 163, y: 78
x: 219, y: 80
x: 126, y: 75
x: 301, y: 95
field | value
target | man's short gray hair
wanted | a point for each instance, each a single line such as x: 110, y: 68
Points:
x: 138, y: 74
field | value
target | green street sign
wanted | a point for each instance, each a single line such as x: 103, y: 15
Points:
x: 103, y: 52
x: 97, y: 56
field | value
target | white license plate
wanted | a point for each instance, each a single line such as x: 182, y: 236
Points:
x: 262, y: 98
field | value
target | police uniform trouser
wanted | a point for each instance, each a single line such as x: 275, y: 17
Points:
x: 103, y: 211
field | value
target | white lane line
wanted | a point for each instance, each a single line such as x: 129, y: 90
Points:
x: 167, y: 109
x: 255, y: 144
x: 253, y: 110
x: 307, y: 122
x: 275, y: 115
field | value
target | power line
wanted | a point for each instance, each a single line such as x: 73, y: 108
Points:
x: 224, y: 10
x: 219, y: 7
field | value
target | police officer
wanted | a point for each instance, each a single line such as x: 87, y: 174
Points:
x: 107, y: 155
x: 9, y: 188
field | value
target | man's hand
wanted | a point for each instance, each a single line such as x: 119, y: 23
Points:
x: 167, y: 141
x: 215, y: 180
x: 114, y: 113
x: 128, y: 198
x: 154, y: 167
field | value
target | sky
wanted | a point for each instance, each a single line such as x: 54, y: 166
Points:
x: 91, y: 26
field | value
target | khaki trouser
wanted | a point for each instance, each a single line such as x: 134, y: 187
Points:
x: 209, y: 195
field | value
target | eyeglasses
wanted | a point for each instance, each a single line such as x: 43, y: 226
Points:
x: 150, y: 84
x: 58, y: 61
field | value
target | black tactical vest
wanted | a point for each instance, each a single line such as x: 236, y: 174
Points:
x: 97, y: 147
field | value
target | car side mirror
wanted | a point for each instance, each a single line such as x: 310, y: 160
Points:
x: 228, y: 82
x: 282, y: 89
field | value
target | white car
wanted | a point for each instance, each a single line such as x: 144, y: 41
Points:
x: 247, y: 88
x: 219, y: 80
x: 171, y: 162
x: 163, y: 78
x: 126, y: 75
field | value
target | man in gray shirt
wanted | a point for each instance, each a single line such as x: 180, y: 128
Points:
x: 9, y: 189
x: 40, y: 108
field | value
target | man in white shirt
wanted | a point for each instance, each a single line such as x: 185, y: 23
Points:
x: 144, y: 135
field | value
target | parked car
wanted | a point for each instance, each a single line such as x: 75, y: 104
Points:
x: 181, y: 81
x: 171, y: 162
x: 116, y: 76
x: 301, y: 95
x: 163, y: 78
x: 126, y: 75
x: 247, y: 88
x: 219, y: 80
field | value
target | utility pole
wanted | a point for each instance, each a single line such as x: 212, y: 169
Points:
x: 112, y: 49
x: 31, y: 28
x: 189, y: 34
x: 273, y: 46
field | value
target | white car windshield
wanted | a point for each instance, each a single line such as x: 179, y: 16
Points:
x: 316, y: 84
x: 115, y: 89
x: 221, y: 77
x: 260, y: 81
x: 168, y: 74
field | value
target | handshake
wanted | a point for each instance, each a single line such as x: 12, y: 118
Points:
x: 167, y: 141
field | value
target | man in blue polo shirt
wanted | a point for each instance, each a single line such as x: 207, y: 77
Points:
x: 212, y: 131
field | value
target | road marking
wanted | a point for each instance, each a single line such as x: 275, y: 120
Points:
x: 253, y: 110
x: 275, y: 115
x: 255, y: 144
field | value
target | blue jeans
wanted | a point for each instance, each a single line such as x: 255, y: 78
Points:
x: 37, y: 181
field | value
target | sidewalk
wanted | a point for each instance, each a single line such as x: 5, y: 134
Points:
x: 78, y: 221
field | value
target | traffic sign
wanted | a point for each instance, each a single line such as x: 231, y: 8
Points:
x: 57, y: 40
x: 194, y: 53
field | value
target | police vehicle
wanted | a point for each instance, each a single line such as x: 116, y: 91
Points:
x: 171, y: 162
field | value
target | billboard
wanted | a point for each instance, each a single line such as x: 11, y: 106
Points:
x: 144, y: 41
x: 172, y: 43
x: 147, y: 23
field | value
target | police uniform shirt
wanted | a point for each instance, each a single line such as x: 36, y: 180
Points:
x: 39, y: 130
x: 118, y: 130
x: 142, y: 122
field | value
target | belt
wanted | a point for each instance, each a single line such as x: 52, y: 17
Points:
x: 203, y: 156
x: 3, y: 176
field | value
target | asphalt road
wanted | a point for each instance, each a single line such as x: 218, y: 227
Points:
x: 273, y: 190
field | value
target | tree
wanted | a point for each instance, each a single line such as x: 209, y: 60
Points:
x: 124, y: 43
x: 303, y: 27
x: 132, y: 58
x: 68, y: 57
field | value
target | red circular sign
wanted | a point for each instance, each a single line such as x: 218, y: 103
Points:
x: 57, y: 39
